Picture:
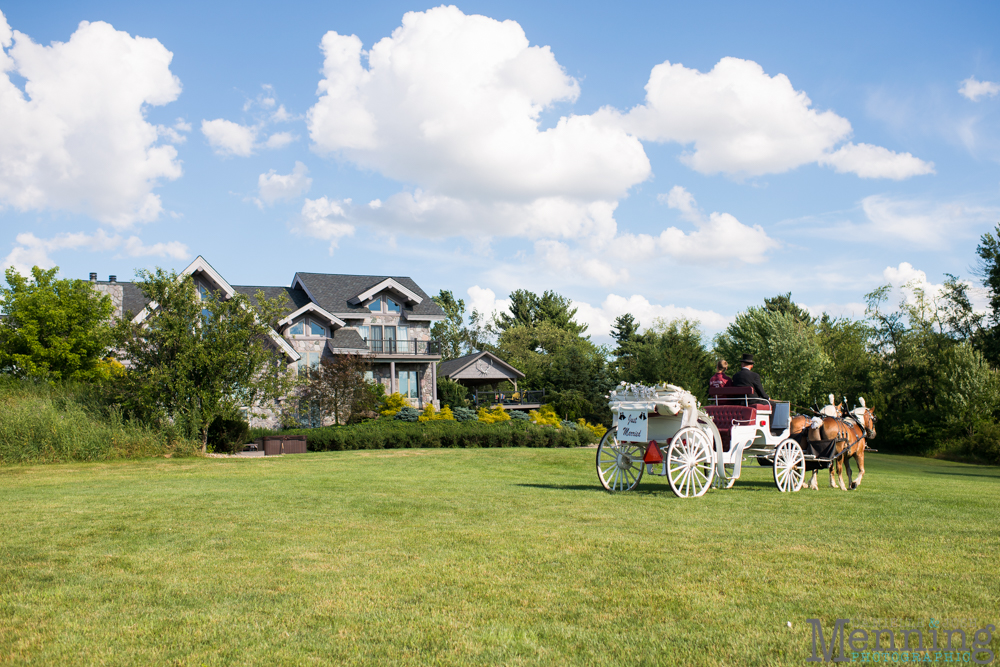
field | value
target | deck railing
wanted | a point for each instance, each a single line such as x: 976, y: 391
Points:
x: 487, y: 398
x: 414, y: 347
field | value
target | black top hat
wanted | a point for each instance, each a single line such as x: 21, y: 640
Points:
x: 747, y: 359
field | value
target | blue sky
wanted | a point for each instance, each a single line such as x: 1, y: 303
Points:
x: 662, y: 159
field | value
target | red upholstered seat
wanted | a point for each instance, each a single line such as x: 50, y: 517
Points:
x: 727, y: 416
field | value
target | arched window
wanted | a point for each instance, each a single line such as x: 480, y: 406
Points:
x: 307, y: 327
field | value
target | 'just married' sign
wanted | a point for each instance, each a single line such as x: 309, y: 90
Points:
x: 632, y: 426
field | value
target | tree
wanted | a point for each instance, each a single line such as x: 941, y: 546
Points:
x: 450, y: 332
x: 989, y: 271
x: 338, y: 387
x: 783, y: 304
x: 53, y: 329
x: 528, y: 310
x: 673, y: 354
x: 558, y: 360
x: 625, y: 333
x: 787, y: 354
x: 195, y: 360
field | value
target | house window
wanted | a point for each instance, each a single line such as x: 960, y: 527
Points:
x: 205, y: 296
x: 402, y: 342
x: 308, y: 361
x: 369, y: 376
x: 376, y: 305
x: 409, y: 387
x: 375, y: 344
x: 391, y: 306
x: 309, y: 414
x: 307, y: 327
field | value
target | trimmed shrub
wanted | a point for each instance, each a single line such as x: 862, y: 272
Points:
x: 394, y: 402
x: 497, y: 414
x: 407, y: 414
x: 396, y: 434
x: 520, y: 415
x: 464, y: 415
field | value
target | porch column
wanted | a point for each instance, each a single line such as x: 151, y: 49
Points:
x: 434, y: 383
x: 392, y: 378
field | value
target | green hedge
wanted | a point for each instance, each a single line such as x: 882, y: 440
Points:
x: 391, y: 434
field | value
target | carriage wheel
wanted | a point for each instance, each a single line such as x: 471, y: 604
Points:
x: 789, y: 466
x: 690, y: 463
x: 619, y: 464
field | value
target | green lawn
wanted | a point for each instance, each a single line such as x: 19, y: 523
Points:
x: 460, y: 557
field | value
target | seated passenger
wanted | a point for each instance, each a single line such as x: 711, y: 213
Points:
x: 720, y: 379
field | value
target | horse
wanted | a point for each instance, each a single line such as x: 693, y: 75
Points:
x: 861, y: 422
x: 850, y: 433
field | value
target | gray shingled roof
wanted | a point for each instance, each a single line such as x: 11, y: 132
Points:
x: 296, y: 297
x: 448, y: 368
x: 333, y: 292
x: 133, y: 300
x: 347, y: 339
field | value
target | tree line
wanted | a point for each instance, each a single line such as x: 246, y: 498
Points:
x: 927, y: 366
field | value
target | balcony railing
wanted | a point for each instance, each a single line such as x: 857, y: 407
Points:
x: 509, y: 398
x: 414, y: 347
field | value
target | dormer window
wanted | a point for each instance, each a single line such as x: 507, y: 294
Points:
x: 307, y: 327
x: 391, y: 306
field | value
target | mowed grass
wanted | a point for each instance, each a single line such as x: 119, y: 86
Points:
x: 466, y: 557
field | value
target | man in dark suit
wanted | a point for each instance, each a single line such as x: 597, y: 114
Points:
x: 745, y: 377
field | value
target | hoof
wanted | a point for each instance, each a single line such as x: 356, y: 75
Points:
x: 854, y: 485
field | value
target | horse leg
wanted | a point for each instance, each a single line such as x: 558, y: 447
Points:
x: 812, y: 482
x: 860, y: 456
x: 833, y: 473
x: 850, y: 475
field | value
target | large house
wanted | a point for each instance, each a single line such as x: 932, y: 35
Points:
x: 388, y: 317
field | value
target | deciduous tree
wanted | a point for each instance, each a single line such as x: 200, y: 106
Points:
x: 53, y: 329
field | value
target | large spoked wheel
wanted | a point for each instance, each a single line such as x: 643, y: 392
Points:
x: 690, y: 463
x: 789, y: 466
x: 619, y: 464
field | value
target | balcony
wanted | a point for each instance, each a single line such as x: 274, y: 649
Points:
x: 404, y: 347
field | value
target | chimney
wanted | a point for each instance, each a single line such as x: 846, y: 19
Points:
x: 112, y: 279
x: 93, y: 277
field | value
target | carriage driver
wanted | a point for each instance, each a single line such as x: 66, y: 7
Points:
x: 745, y: 377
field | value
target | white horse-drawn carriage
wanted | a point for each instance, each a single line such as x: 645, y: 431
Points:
x: 662, y: 431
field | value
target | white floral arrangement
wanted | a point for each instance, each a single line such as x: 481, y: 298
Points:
x: 632, y: 391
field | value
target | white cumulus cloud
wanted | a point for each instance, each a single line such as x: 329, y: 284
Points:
x: 869, y: 161
x: 33, y: 251
x: 974, y: 90
x: 273, y: 186
x: 717, y: 237
x: 451, y: 104
x: 599, y: 318
x: 76, y: 138
x: 325, y: 219
x: 229, y: 138
x: 745, y: 123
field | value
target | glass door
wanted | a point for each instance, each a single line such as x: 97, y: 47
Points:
x: 402, y: 343
x: 390, y: 340
x: 376, y: 343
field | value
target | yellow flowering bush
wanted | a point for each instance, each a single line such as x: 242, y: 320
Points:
x: 497, y: 414
x: 431, y: 414
x: 596, y: 429
x: 394, y: 403
x: 546, y: 416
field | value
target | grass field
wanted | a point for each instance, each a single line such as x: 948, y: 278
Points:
x: 465, y: 557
